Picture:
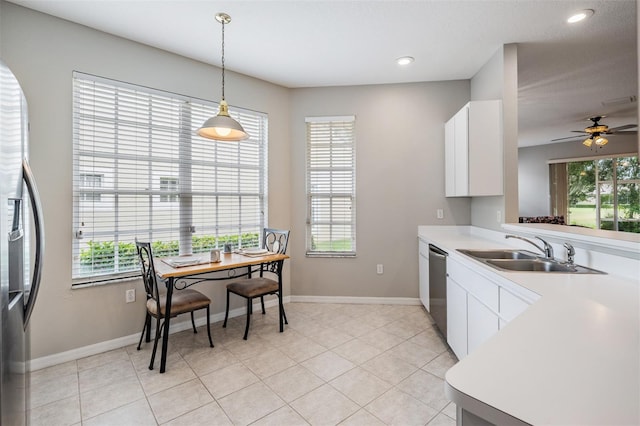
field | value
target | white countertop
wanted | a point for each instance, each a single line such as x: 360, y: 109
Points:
x: 573, y: 357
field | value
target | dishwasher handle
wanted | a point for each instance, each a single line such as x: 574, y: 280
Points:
x: 437, y: 251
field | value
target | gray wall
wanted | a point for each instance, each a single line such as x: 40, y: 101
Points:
x: 399, y: 181
x: 533, y: 169
x: 43, y: 51
x: 400, y: 178
x: 498, y: 79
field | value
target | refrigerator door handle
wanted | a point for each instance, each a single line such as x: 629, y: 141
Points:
x: 34, y: 198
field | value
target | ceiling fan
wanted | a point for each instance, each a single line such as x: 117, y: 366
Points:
x: 595, y: 132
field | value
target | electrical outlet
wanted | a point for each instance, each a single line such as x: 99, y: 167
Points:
x: 130, y: 295
x: 440, y: 214
x: 379, y: 269
x: 499, y: 216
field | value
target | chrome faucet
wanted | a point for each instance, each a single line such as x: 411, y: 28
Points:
x: 547, y: 250
x: 571, y: 252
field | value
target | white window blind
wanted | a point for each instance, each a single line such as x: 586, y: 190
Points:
x: 331, y: 189
x: 140, y: 171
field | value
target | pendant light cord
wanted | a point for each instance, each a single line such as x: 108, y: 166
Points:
x: 222, y: 60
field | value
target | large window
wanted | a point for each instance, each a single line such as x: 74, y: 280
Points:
x: 600, y: 193
x: 331, y: 186
x: 140, y: 171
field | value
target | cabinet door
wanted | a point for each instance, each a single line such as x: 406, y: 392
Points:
x: 485, y: 150
x: 461, y: 134
x: 449, y: 159
x: 482, y: 323
x: 457, y: 318
x: 423, y: 265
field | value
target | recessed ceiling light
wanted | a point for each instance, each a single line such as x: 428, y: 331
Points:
x: 405, y: 60
x: 580, y: 16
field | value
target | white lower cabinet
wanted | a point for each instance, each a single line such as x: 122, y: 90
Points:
x: 477, y: 307
x: 423, y: 272
x: 457, y: 318
x: 482, y: 323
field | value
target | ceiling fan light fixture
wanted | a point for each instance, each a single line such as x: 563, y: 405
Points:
x: 580, y: 16
x: 601, y: 141
x: 222, y: 127
x: 587, y: 142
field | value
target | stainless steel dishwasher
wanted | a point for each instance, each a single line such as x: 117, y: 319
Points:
x: 438, y: 287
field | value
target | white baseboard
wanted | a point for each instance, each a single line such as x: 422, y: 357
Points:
x: 120, y: 342
x: 358, y: 300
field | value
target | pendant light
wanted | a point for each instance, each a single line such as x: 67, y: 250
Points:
x: 222, y: 127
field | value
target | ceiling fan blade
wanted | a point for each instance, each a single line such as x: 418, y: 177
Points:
x: 569, y: 137
x: 624, y: 132
x: 625, y: 127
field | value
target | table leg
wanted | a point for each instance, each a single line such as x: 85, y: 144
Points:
x: 167, y: 317
x: 280, y: 295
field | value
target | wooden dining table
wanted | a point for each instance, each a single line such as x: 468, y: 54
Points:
x: 235, y: 265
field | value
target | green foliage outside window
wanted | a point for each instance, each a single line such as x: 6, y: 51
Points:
x: 587, y: 178
x: 100, y: 256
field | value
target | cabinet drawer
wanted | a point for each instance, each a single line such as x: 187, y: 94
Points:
x: 511, y: 306
x: 483, y: 289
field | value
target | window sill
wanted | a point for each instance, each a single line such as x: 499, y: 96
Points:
x: 346, y: 255
x: 80, y: 284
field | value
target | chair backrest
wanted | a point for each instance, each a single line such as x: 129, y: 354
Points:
x: 148, y: 271
x: 274, y: 240
x: 277, y: 237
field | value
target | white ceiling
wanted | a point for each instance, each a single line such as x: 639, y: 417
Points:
x: 565, y: 72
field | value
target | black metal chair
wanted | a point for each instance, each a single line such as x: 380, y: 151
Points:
x: 183, y: 301
x: 274, y: 240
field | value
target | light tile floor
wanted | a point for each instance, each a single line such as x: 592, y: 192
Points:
x: 341, y: 364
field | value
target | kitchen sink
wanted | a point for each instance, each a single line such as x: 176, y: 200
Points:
x: 500, y: 254
x: 525, y: 261
x: 539, y: 265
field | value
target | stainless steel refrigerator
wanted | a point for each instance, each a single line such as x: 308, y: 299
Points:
x: 21, y: 249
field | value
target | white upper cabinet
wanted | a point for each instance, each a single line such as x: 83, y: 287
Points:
x: 473, y: 151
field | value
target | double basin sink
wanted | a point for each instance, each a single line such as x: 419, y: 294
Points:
x: 525, y: 261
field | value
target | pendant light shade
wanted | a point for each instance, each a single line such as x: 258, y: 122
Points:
x: 222, y: 127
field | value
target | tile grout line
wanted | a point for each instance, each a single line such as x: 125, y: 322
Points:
x: 321, y: 322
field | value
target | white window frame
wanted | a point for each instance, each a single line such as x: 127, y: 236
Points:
x: 89, y: 183
x: 331, y: 181
x: 230, y: 163
x: 169, y: 184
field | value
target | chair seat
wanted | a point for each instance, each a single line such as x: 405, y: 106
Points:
x: 253, y: 287
x: 186, y: 300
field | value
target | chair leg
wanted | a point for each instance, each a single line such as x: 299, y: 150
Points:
x: 226, y: 312
x: 284, y: 315
x: 249, y: 309
x: 159, y: 325
x: 148, y: 336
x: 209, y: 327
x: 193, y: 323
x: 262, y: 303
x: 147, y: 327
